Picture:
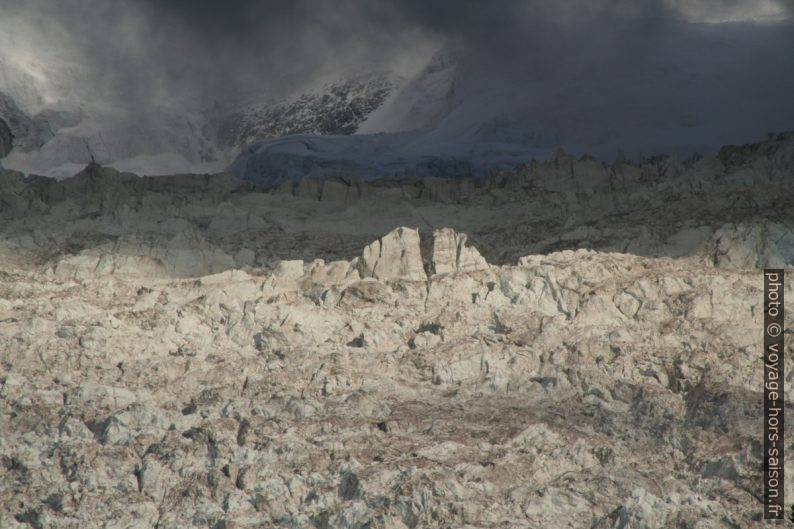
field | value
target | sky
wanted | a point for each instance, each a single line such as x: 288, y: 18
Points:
x: 127, y: 53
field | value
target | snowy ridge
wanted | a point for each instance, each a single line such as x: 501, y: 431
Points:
x: 335, y: 107
x: 422, y: 101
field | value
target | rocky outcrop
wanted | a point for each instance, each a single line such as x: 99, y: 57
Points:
x: 398, y: 256
x: 451, y: 254
x: 6, y: 139
x: 750, y: 245
x: 28, y: 133
x: 336, y: 108
x: 393, y: 256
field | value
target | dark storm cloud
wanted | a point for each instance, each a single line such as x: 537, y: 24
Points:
x: 204, y: 50
x: 276, y: 45
x: 276, y: 38
x: 134, y: 50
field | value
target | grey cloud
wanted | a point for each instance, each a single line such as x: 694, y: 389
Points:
x: 150, y: 51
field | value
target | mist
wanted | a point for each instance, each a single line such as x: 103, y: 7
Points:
x: 591, y: 59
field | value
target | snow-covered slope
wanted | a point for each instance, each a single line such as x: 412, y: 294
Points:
x: 423, y: 100
x: 374, y: 156
x: 171, y: 139
x: 460, y: 115
x: 140, y: 143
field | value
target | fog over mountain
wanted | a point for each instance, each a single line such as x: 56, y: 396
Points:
x: 157, y: 51
x: 163, y: 78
